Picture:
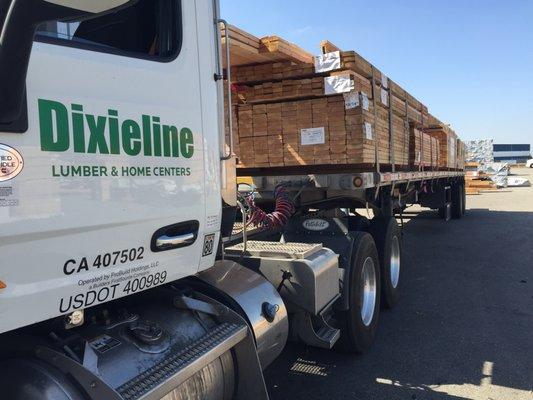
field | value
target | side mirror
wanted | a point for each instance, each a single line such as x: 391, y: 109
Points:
x: 18, y: 22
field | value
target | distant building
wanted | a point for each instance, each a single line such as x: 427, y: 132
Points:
x: 512, y: 153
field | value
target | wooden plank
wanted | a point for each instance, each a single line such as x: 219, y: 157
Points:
x: 247, y: 49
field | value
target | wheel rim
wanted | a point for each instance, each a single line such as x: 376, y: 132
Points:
x: 369, y: 292
x: 395, y: 262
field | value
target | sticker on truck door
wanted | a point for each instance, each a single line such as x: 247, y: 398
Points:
x: 11, y: 163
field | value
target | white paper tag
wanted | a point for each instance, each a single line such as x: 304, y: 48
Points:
x: 338, y: 84
x: 313, y: 136
x: 328, y: 62
x: 364, y: 100
x: 384, y: 97
x: 368, y: 131
x: 351, y: 100
x: 384, y: 81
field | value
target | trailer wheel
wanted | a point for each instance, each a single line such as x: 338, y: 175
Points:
x: 387, y: 236
x: 457, y: 201
x: 360, y: 323
x: 463, y: 189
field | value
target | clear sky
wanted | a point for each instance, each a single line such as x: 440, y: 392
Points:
x: 469, y: 61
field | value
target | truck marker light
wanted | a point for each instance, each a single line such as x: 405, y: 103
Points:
x: 2, y: 285
x: 358, y: 182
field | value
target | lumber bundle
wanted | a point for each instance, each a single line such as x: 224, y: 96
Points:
x: 423, y: 150
x: 461, y: 154
x: 335, y: 109
x: 447, y: 142
x: 306, y: 132
x: 248, y: 49
x: 477, y: 181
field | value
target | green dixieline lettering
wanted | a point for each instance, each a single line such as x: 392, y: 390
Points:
x: 157, y: 136
x: 186, y: 143
x: 50, y: 111
x: 97, y: 142
x: 147, y: 135
x: 78, y: 128
x: 131, y: 137
x: 108, y: 135
x: 114, y: 135
x: 171, y: 141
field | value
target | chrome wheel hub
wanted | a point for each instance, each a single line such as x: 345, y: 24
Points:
x: 395, y: 262
x: 369, y: 292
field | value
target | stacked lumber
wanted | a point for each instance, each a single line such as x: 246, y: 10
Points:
x: 344, y: 123
x: 423, y: 149
x: 248, y: 49
x: 308, y: 132
x: 335, y: 109
x: 447, y: 142
x: 461, y: 155
x: 477, y: 181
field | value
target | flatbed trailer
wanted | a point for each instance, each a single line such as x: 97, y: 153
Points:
x: 117, y: 280
x: 329, y: 211
x: 384, y: 192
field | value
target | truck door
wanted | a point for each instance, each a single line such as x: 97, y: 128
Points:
x: 103, y: 195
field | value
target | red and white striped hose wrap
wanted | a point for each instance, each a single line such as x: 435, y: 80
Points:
x: 279, y: 217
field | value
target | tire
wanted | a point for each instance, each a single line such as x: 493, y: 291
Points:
x: 388, y: 239
x: 358, y: 326
x: 463, y: 188
x: 457, y: 201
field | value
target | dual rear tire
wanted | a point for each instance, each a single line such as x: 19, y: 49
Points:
x: 374, y: 281
x: 387, y: 236
x: 359, y: 323
x: 458, y: 200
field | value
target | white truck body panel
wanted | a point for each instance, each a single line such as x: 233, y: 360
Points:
x: 57, y: 232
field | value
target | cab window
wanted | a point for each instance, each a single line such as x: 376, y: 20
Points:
x: 146, y: 29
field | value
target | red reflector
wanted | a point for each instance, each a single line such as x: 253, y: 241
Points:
x: 358, y: 182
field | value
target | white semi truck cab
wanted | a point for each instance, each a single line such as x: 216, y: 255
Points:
x: 119, y: 274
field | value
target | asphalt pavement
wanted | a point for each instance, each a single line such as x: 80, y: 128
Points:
x: 464, y: 326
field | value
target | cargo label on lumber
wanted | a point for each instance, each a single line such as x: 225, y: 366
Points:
x: 312, y: 136
x: 338, y: 84
x: 328, y: 62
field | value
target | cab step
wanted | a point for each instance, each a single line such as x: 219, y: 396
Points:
x: 180, y: 366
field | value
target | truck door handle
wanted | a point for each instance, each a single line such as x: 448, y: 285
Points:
x: 175, y: 236
x: 164, y: 242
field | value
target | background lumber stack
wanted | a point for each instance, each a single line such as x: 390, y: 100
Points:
x: 476, y: 180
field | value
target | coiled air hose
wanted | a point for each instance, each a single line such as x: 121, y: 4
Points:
x: 283, y: 211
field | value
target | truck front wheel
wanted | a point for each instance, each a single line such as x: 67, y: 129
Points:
x: 359, y: 323
x: 387, y: 236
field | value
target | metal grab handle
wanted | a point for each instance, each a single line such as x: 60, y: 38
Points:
x: 228, y: 88
x: 165, y: 241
